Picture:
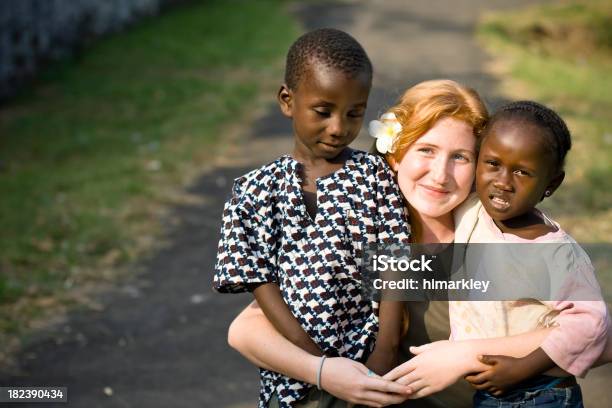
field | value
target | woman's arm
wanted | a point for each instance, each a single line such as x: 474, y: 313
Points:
x: 440, y: 364
x: 256, y: 339
x: 253, y: 336
x: 277, y: 312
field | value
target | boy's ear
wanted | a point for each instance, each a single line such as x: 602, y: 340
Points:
x: 285, y: 100
x: 554, y: 184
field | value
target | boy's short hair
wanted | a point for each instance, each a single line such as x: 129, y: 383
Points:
x: 329, y: 47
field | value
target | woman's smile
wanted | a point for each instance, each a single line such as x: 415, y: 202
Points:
x: 435, y: 192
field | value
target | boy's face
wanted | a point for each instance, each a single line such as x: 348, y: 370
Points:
x: 327, y: 108
x: 514, y: 170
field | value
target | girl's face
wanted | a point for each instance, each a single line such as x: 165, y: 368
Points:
x: 437, y: 171
x: 514, y: 170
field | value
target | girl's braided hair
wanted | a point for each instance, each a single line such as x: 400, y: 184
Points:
x: 559, y: 138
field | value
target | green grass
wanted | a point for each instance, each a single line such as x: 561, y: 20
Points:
x: 580, y: 27
x: 90, y: 152
x: 561, y: 55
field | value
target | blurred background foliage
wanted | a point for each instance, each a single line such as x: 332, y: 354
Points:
x: 561, y: 54
x: 96, y: 148
x: 94, y: 151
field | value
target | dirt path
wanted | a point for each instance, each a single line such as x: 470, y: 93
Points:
x: 160, y: 339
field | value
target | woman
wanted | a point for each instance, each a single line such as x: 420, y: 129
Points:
x: 434, y: 157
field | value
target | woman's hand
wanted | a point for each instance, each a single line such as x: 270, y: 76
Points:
x: 256, y: 339
x: 348, y: 380
x: 435, y: 366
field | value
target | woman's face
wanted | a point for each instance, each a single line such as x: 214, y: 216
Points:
x: 437, y: 171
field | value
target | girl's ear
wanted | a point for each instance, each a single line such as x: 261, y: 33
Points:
x: 285, y: 100
x: 554, y: 184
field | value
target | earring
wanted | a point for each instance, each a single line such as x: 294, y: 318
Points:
x: 547, y: 193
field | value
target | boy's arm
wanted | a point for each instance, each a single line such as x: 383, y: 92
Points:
x: 273, y: 305
x: 390, y: 323
x: 391, y: 320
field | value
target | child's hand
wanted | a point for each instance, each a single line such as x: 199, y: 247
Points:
x: 382, y: 360
x: 504, y: 373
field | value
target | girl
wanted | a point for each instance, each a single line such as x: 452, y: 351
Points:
x: 521, y: 163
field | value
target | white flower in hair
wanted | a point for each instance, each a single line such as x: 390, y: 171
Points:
x: 385, y: 131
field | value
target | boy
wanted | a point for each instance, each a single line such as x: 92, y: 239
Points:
x: 293, y: 230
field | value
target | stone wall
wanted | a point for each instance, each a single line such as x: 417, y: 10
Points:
x: 33, y: 32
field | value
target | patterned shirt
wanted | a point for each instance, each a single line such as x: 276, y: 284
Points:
x: 267, y: 235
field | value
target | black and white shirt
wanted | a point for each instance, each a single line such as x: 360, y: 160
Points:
x: 267, y: 235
